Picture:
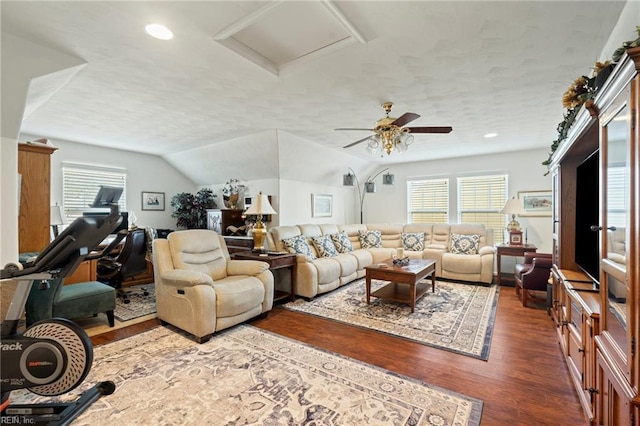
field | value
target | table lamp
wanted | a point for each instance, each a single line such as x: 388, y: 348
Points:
x: 259, y: 207
x: 56, y: 218
x: 514, y: 207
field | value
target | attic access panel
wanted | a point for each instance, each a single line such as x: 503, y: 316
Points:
x: 281, y: 34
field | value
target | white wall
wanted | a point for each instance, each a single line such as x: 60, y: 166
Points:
x: 144, y: 173
x: 525, y: 172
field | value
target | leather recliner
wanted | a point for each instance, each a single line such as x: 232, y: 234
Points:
x: 201, y: 290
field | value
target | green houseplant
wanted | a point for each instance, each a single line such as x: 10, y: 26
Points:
x: 191, y: 210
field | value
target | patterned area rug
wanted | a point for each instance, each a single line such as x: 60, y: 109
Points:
x: 457, y: 317
x: 252, y: 377
x: 139, y: 305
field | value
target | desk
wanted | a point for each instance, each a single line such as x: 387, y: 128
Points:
x: 509, y: 250
x: 275, y: 261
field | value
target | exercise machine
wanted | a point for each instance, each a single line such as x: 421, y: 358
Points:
x: 52, y: 357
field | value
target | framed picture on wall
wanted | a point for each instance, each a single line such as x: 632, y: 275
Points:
x: 321, y: 205
x: 536, y: 203
x: 152, y: 200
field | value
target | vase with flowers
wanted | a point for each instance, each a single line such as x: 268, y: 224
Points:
x: 231, y: 193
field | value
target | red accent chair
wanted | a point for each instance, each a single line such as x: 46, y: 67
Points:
x: 533, y: 275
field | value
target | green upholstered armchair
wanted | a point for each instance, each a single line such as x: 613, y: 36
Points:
x: 69, y: 301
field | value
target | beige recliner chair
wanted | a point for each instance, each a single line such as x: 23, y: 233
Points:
x: 201, y: 290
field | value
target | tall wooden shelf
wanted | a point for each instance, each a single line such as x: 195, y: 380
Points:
x: 599, y: 328
x: 34, y: 167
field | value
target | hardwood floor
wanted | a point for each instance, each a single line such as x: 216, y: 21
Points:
x: 524, y: 382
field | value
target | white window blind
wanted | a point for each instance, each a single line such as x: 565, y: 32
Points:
x: 428, y: 200
x: 480, y: 199
x: 80, y: 185
x: 617, y: 195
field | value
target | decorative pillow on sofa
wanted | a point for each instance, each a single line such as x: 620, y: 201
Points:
x: 413, y: 241
x: 342, y: 242
x: 324, y: 246
x: 298, y: 245
x: 370, y: 239
x: 464, y: 244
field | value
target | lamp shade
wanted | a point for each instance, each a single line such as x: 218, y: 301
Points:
x: 348, y: 180
x: 513, y: 207
x: 56, y: 216
x: 260, y: 205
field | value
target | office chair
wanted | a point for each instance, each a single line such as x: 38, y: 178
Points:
x: 129, y: 262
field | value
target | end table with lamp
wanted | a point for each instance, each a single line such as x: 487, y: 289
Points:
x: 516, y: 247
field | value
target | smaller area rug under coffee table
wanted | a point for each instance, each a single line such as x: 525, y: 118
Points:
x: 247, y: 376
x: 458, y: 317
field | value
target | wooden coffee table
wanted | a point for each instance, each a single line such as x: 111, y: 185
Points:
x: 404, y: 281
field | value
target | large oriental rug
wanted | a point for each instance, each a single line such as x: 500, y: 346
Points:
x: 246, y: 376
x: 457, y: 317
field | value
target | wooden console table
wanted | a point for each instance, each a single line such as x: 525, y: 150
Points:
x: 511, y: 250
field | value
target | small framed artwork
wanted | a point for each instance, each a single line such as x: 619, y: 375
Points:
x: 152, y: 200
x: 321, y: 205
x: 536, y: 203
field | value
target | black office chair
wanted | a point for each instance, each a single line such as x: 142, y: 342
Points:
x: 129, y: 262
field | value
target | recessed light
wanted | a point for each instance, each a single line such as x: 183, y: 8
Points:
x: 159, y: 31
x: 490, y: 135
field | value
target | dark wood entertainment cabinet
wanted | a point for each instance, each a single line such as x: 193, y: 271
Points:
x: 598, y: 327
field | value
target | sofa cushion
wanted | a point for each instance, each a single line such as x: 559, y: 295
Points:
x: 413, y: 241
x: 370, y: 239
x: 464, y: 244
x: 324, y: 246
x: 342, y: 242
x: 298, y: 245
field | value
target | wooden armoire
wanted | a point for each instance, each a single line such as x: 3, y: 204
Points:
x: 34, y: 168
x: 596, y: 304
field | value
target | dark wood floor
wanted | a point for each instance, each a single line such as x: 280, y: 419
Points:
x: 524, y: 382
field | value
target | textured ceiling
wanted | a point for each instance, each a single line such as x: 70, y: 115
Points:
x: 479, y: 67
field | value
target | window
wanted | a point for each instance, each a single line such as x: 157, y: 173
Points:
x: 80, y: 185
x: 480, y: 199
x: 428, y: 200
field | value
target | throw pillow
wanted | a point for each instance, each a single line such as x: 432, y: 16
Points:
x: 298, y: 245
x: 342, y: 242
x: 324, y: 246
x: 413, y: 241
x: 464, y: 244
x: 370, y: 239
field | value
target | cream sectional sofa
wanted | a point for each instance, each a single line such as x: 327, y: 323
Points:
x: 316, y: 274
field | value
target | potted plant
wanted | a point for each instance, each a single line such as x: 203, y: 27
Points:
x: 231, y: 193
x: 191, y: 210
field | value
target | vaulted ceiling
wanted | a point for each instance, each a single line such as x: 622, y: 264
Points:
x: 236, y: 69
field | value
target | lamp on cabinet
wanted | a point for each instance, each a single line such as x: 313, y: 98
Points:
x: 514, y: 208
x: 259, y: 207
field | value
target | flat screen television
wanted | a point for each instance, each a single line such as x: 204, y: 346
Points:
x: 587, y: 252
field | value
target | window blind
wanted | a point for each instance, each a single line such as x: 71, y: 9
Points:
x: 428, y: 201
x: 617, y: 195
x: 480, y: 199
x: 80, y: 185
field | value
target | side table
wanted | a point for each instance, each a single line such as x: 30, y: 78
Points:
x: 511, y: 250
x: 275, y: 261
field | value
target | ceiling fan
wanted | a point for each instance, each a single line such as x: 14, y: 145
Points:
x: 389, y: 133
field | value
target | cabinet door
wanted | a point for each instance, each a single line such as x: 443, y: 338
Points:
x: 614, y: 402
x: 615, y: 218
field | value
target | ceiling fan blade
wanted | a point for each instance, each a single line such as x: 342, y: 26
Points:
x: 446, y: 129
x: 350, y: 128
x: 356, y: 142
x: 405, y: 118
